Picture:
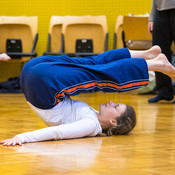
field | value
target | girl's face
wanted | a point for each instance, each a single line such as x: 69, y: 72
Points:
x: 111, y: 110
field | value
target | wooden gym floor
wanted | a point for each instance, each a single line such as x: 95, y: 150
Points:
x: 148, y: 150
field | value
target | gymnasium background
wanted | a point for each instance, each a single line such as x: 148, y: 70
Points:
x: 44, y: 9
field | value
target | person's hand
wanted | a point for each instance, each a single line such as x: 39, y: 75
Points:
x: 13, y: 141
x: 4, y: 57
x: 150, y: 26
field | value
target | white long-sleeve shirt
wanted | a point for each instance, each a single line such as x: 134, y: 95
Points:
x: 68, y: 119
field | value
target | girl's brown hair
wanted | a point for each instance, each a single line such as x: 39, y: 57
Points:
x: 125, y: 123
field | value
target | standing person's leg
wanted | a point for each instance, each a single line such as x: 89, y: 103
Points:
x: 172, y: 17
x: 162, y: 37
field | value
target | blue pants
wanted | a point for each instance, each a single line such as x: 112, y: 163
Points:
x: 46, y: 80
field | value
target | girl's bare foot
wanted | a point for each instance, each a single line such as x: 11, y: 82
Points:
x: 153, y: 52
x: 146, y: 54
x: 161, y: 64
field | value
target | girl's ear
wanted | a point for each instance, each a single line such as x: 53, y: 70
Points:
x: 113, y: 122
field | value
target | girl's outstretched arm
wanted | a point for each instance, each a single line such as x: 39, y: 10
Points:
x: 78, y: 129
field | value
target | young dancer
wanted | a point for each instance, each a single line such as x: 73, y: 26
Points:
x: 49, y: 81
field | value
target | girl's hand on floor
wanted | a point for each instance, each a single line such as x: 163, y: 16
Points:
x: 13, y: 141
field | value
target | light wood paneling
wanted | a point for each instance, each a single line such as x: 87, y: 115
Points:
x: 148, y: 150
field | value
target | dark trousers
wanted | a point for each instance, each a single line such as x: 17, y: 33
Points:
x: 163, y: 35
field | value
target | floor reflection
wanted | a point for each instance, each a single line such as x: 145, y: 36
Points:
x: 63, y: 155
